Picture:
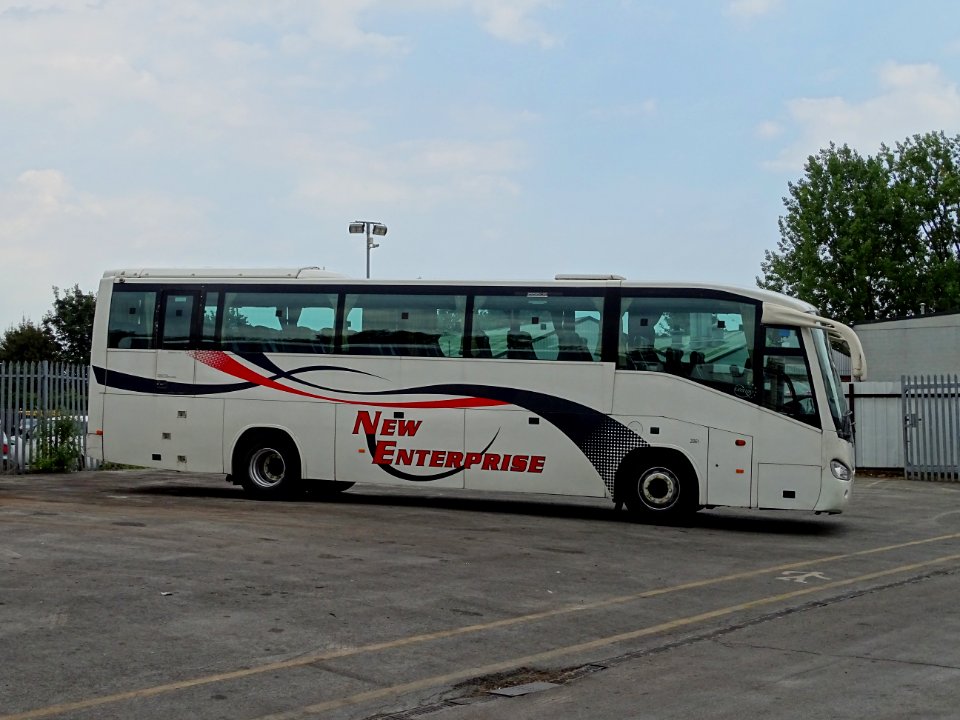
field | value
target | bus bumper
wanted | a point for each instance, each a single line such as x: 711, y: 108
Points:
x: 835, y: 492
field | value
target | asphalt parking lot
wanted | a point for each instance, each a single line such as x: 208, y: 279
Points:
x: 156, y: 595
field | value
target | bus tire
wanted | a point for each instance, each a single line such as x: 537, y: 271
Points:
x: 658, y: 484
x: 268, y: 466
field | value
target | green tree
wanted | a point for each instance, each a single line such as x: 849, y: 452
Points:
x: 71, y: 323
x: 868, y: 238
x: 27, y: 342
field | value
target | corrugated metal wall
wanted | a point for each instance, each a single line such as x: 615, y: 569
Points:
x: 878, y: 424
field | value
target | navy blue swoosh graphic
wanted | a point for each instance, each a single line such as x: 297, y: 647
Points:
x: 604, y: 441
x: 137, y: 383
x: 264, y: 363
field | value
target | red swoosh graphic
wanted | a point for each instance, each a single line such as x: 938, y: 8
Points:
x: 219, y: 360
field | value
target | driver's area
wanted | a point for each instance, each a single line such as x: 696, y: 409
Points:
x: 786, y: 384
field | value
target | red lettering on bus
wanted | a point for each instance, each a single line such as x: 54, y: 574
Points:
x: 368, y: 424
x: 454, y: 459
x: 383, y: 453
x: 408, y: 427
x: 519, y: 463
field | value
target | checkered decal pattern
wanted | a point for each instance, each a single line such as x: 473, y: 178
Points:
x: 607, y: 445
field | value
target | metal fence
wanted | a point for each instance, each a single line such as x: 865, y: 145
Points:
x: 931, y: 426
x: 43, y: 416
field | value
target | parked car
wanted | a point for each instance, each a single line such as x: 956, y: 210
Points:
x: 27, y: 426
x: 6, y: 450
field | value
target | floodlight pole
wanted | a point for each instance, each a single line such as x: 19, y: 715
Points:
x: 371, y: 228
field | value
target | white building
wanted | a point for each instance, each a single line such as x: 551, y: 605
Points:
x: 920, y: 345
x: 924, y: 348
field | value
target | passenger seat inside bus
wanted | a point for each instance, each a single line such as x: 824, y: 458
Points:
x: 480, y: 345
x: 520, y: 346
x: 572, y: 347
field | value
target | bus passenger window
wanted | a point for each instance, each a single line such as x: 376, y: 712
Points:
x: 707, y: 340
x: 279, y: 321
x: 210, y: 305
x: 406, y: 325
x: 537, y: 325
x: 177, y: 320
x: 130, y: 325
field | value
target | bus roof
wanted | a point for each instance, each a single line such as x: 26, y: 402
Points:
x: 221, y: 273
x: 320, y: 274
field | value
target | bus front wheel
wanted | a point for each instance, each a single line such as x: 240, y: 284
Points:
x: 658, y: 488
x: 269, y: 468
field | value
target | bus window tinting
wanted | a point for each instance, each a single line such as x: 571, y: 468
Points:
x: 278, y: 322
x: 406, y: 325
x: 130, y: 325
x: 536, y: 326
x: 710, y: 341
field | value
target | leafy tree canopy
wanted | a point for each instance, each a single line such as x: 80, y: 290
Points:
x: 869, y: 238
x: 71, y: 324
x: 27, y: 342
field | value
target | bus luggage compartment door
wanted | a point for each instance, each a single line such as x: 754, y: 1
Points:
x: 730, y: 462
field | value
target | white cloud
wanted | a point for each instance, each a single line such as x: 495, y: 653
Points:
x: 912, y: 99
x: 134, y: 96
x: 769, y: 129
x: 512, y: 20
x: 749, y: 9
x: 628, y: 111
x: 409, y: 175
x: 53, y: 234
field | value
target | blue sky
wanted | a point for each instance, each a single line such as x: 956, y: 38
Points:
x: 495, y: 138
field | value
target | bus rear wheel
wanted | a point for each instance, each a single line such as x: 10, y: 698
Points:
x: 269, y: 468
x: 658, y: 489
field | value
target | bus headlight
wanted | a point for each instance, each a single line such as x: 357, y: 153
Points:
x: 839, y: 470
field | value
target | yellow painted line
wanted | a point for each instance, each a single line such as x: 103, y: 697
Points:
x: 550, y: 655
x: 52, y: 710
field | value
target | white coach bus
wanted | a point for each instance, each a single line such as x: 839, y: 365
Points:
x: 665, y: 397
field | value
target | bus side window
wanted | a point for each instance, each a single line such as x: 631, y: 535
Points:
x: 787, y: 387
x: 208, y: 330
x: 537, y: 326
x: 411, y: 325
x: 285, y: 321
x: 177, y: 320
x: 704, y: 339
x: 131, y: 321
